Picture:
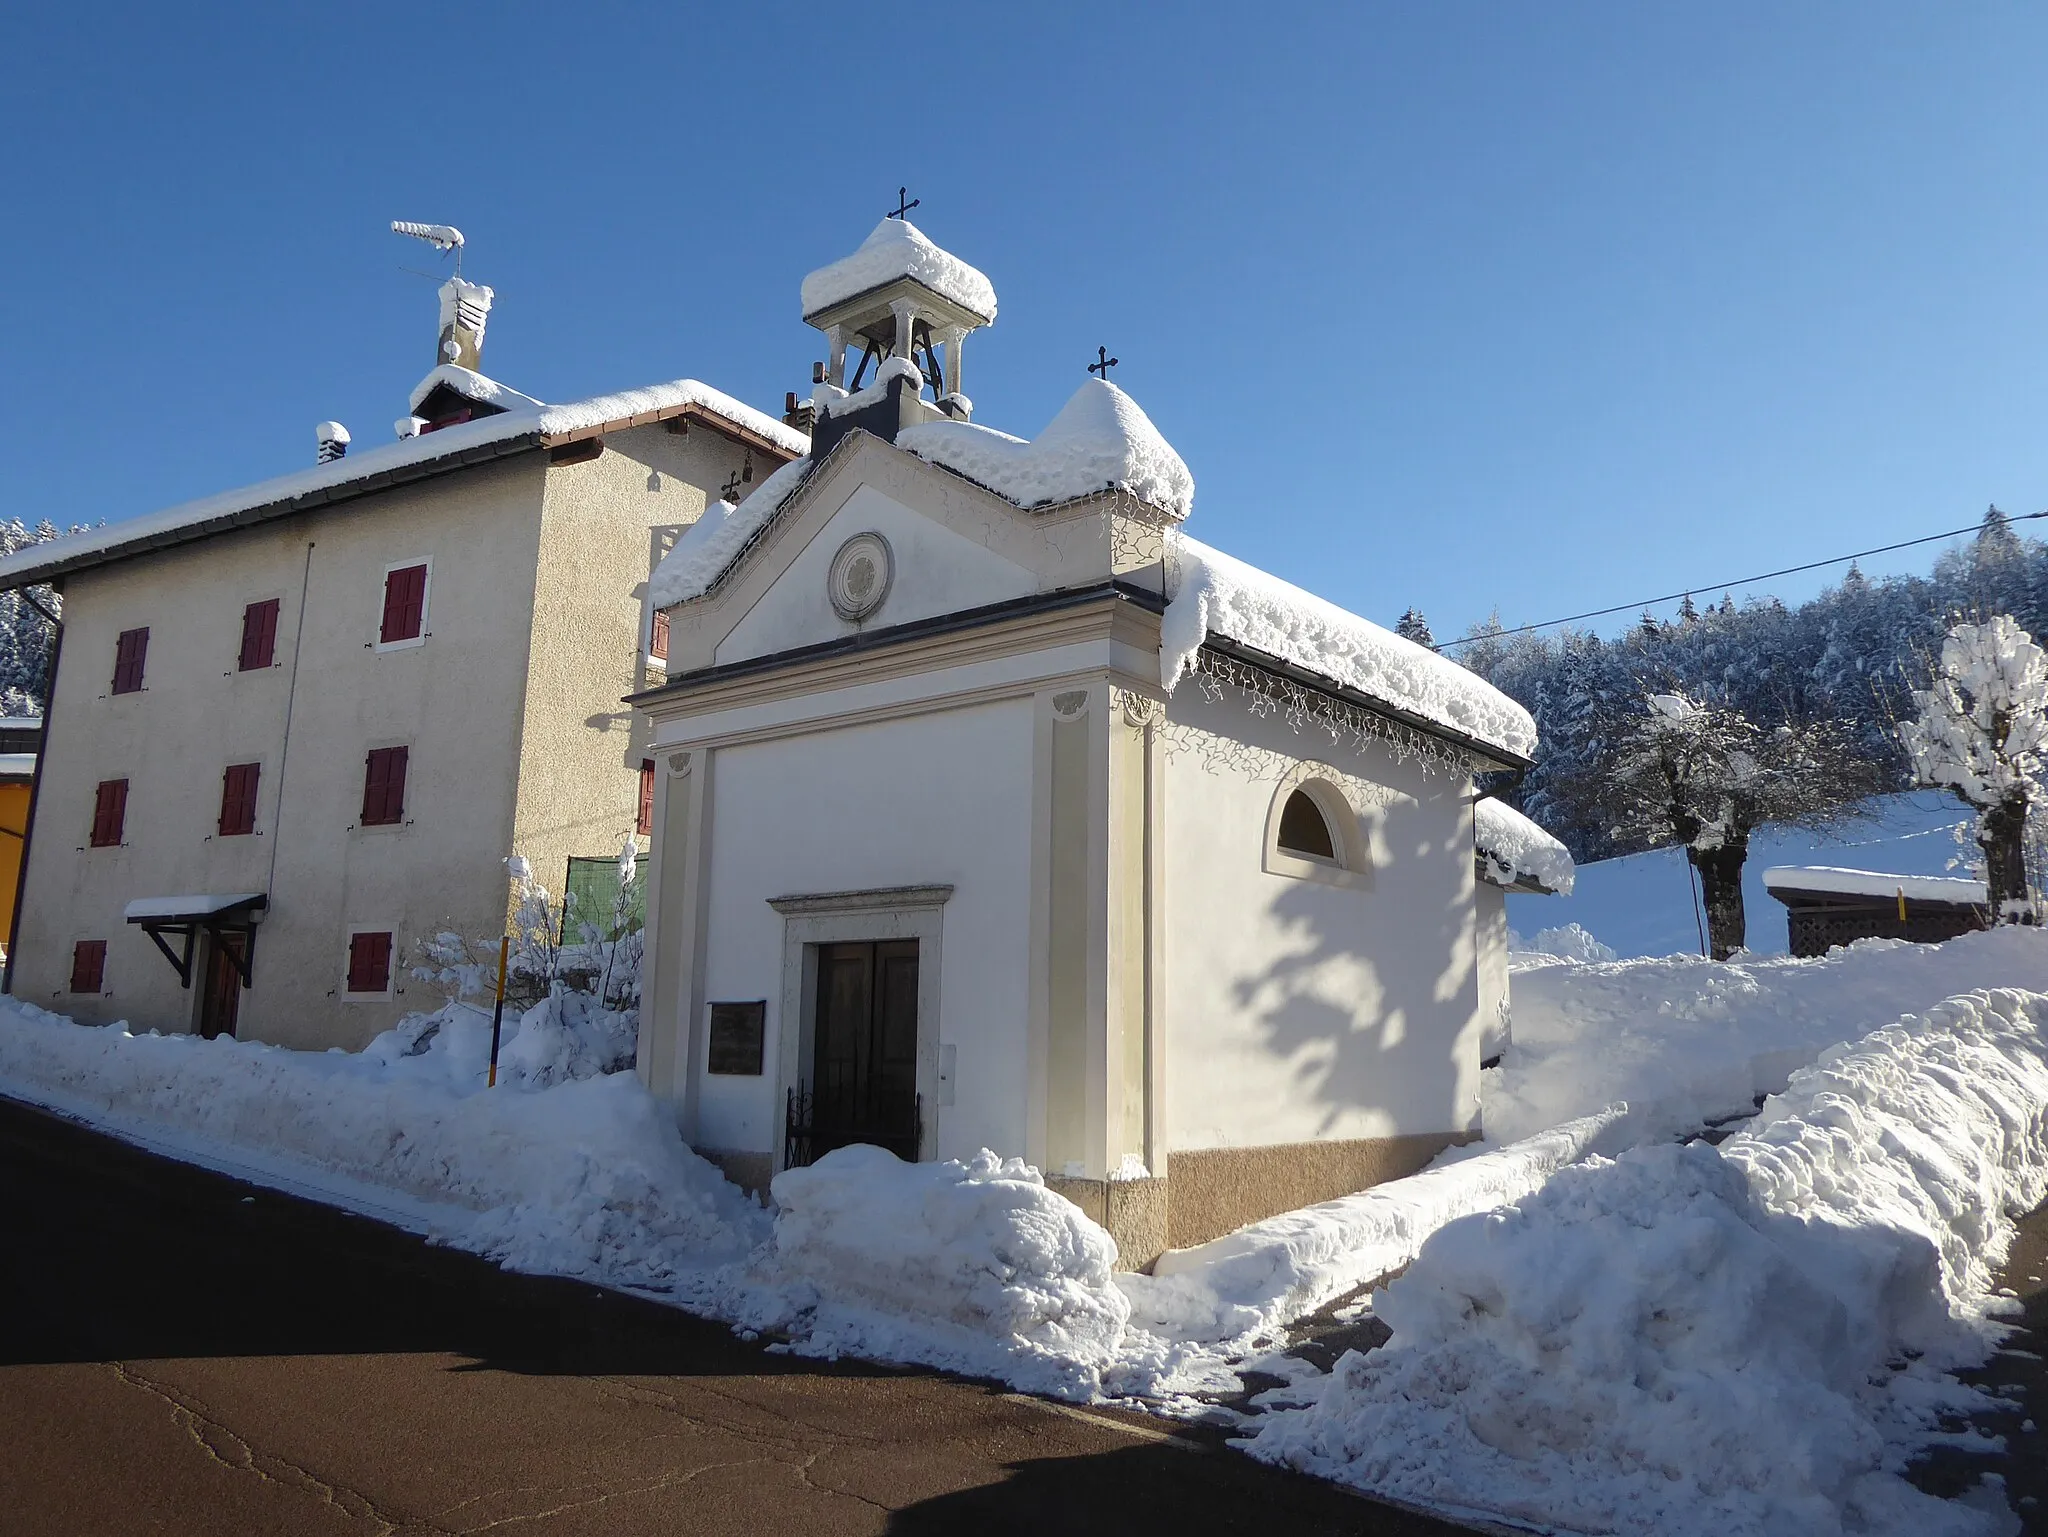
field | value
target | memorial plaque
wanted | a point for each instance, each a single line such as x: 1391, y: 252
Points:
x: 737, y: 1033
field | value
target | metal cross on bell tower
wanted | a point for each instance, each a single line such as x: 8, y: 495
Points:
x: 1103, y: 364
x: 902, y: 207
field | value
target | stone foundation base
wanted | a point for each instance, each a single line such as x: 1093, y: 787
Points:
x: 1134, y: 1211
x: 1216, y: 1190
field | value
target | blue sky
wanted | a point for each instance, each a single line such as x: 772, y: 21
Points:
x: 1535, y: 307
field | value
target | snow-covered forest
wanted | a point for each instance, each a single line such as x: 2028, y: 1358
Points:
x: 25, y: 635
x: 1853, y: 655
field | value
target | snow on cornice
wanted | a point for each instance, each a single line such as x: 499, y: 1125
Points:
x: 896, y: 248
x: 1512, y: 848
x: 1100, y: 439
x: 212, y: 514
x: 1219, y: 595
x: 471, y: 385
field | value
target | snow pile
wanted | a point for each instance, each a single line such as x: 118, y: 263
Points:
x: 1100, y: 439
x: 228, y: 508
x: 894, y: 249
x: 708, y: 547
x: 1566, y: 943
x: 1513, y: 848
x: 1700, y: 1341
x: 1872, y: 883
x: 471, y: 385
x: 1684, y: 1040
x: 586, y: 1177
x: 976, y: 1267
x: 1218, y: 595
x: 1249, y: 1283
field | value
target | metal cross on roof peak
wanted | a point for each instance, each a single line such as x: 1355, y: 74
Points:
x: 902, y: 207
x: 1103, y: 363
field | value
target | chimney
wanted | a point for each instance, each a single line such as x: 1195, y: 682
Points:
x: 465, y: 306
x: 333, y: 440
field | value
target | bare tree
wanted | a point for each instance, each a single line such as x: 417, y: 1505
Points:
x: 1981, y: 732
x: 1705, y: 776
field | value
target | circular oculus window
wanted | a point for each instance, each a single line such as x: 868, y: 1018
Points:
x: 860, y: 576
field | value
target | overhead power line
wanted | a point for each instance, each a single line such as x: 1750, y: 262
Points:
x: 1746, y: 581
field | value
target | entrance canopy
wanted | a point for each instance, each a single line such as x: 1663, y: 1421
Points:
x: 230, y: 919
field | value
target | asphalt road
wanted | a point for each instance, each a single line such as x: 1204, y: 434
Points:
x: 181, y: 1353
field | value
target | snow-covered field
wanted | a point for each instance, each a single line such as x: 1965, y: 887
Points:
x: 1598, y: 1329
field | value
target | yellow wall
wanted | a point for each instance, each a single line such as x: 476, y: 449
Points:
x: 13, y: 823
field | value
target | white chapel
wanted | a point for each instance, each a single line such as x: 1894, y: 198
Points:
x: 993, y: 810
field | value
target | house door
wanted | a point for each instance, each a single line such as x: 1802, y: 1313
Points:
x: 864, y: 1053
x: 221, y: 1000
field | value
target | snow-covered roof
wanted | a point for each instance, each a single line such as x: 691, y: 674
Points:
x: 1100, y: 439
x: 1874, y: 883
x: 711, y: 544
x: 406, y: 459
x: 1513, y: 849
x: 471, y: 385
x: 1220, y: 595
x: 896, y: 248
x: 17, y: 765
x: 194, y: 906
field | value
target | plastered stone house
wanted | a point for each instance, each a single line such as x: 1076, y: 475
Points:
x: 990, y: 809
x: 297, y: 726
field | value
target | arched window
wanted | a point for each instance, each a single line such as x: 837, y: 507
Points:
x: 1305, y: 831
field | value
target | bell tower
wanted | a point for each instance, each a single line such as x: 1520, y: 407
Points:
x: 898, y: 300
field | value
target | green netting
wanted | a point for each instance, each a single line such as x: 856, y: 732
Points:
x: 590, y: 894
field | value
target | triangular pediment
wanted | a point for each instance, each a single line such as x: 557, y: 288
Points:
x: 914, y: 542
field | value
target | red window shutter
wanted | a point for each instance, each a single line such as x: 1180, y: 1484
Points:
x: 657, y: 640
x: 369, y: 963
x: 238, y: 799
x: 88, y: 965
x: 109, y: 813
x: 131, y: 650
x: 384, y: 787
x: 259, y: 635
x: 643, y: 822
x: 405, y: 603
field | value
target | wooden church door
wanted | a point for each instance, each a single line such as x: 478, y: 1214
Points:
x: 864, y: 1055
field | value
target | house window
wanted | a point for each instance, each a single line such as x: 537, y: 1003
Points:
x: 405, y: 605
x: 259, y: 635
x: 643, y: 819
x: 109, y: 813
x: 369, y: 963
x: 88, y: 965
x: 238, y: 799
x: 131, y: 647
x: 1304, y: 830
x: 657, y: 636
x: 384, y: 787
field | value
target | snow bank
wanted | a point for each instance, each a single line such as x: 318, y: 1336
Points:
x: 708, y: 547
x: 975, y: 1267
x: 1100, y: 439
x: 896, y: 248
x: 1568, y: 942
x: 1219, y: 595
x: 1700, y: 1341
x: 1250, y: 1282
x: 586, y: 1177
x: 1872, y: 883
x: 1514, y: 848
x: 528, y: 421
x: 1685, y: 1040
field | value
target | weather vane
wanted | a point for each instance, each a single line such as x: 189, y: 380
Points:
x: 1103, y: 363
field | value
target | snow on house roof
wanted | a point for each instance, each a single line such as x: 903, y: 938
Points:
x: 1219, y: 595
x: 711, y: 544
x: 471, y: 385
x: 370, y: 469
x: 1874, y: 883
x: 187, y: 906
x: 896, y: 248
x: 1513, y: 849
x: 1100, y: 439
